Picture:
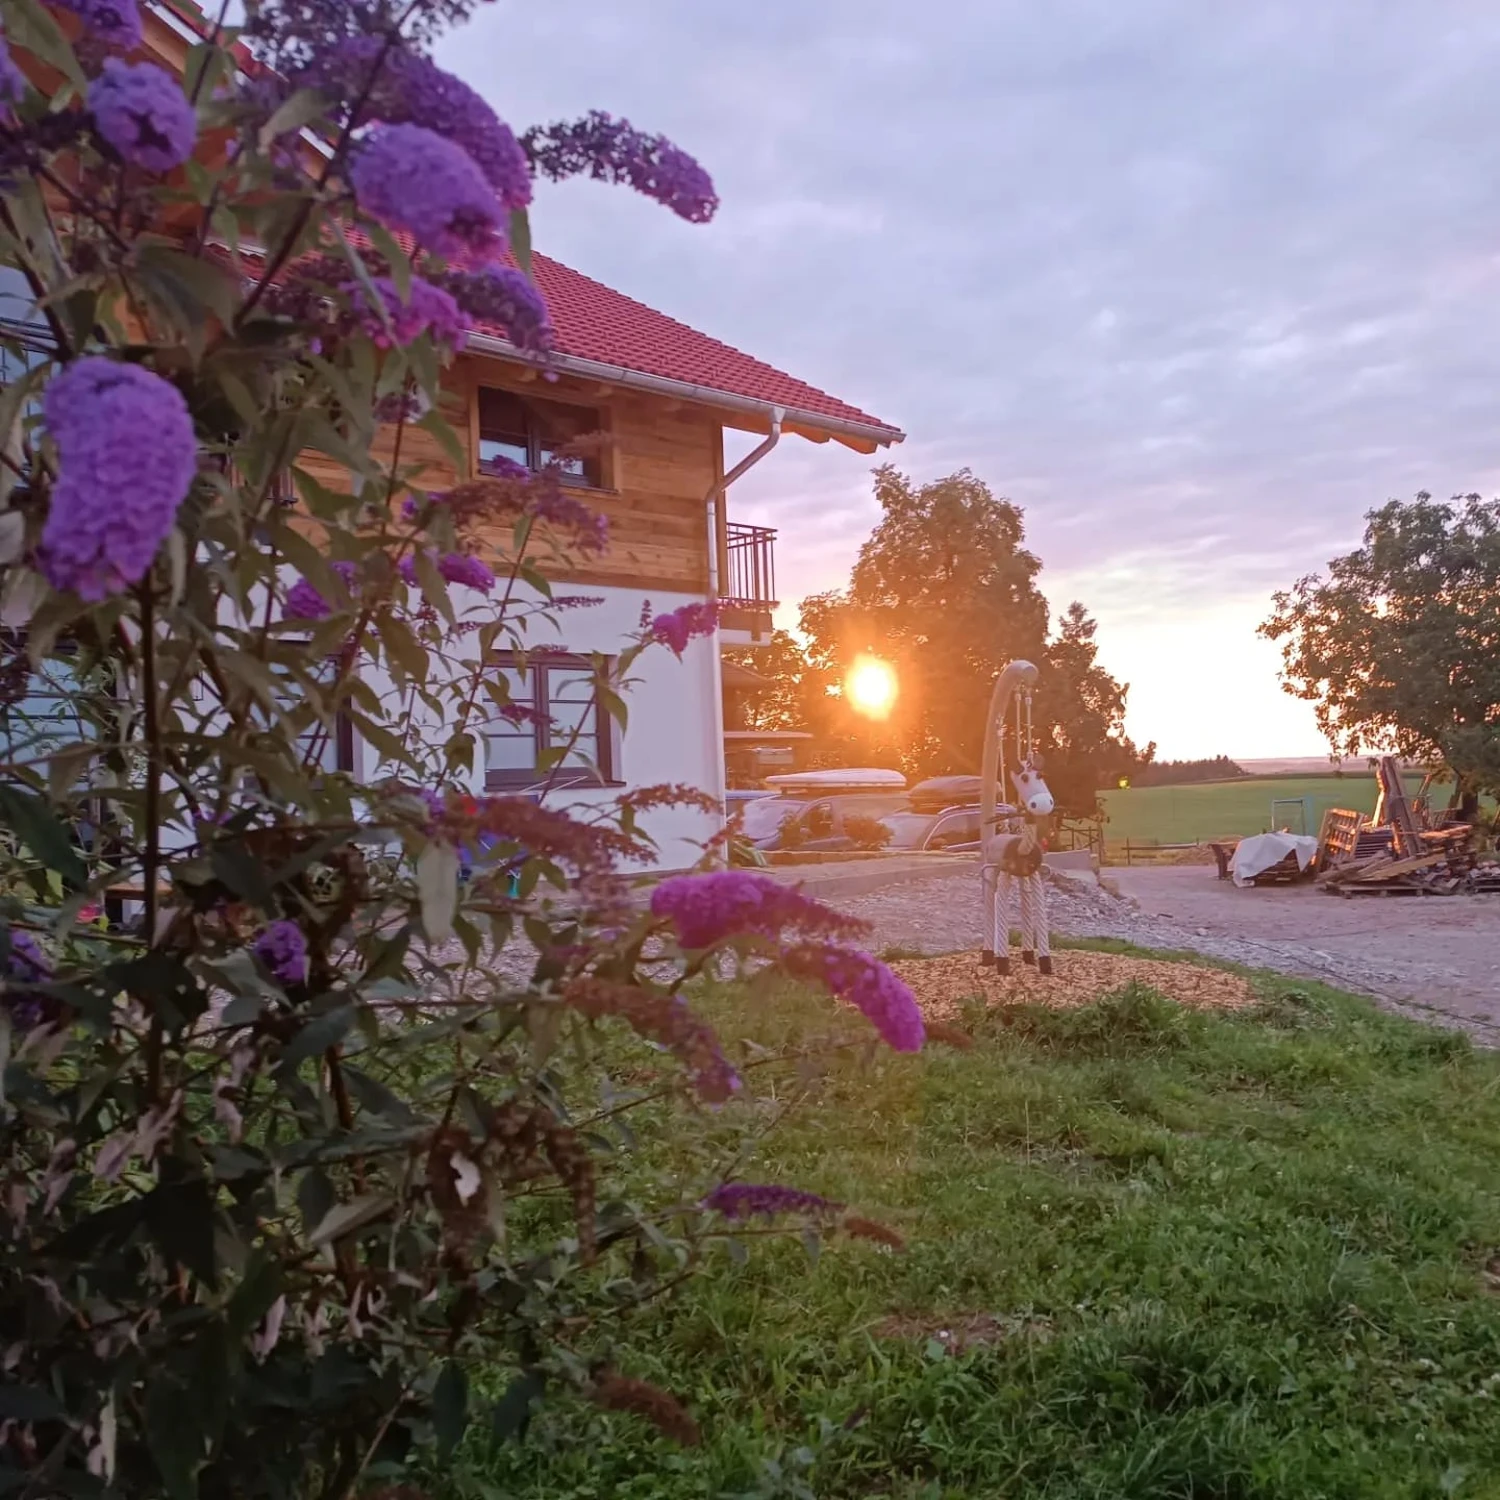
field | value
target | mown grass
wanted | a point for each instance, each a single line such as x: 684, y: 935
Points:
x: 1238, y: 1256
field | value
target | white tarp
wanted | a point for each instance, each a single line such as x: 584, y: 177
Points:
x: 1257, y: 854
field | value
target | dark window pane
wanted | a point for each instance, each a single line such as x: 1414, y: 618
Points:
x: 492, y: 448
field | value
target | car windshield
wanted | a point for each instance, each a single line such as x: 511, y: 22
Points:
x: 908, y: 829
x: 763, y: 816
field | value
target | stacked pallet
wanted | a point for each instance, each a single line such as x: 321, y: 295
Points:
x: 1394, y: 853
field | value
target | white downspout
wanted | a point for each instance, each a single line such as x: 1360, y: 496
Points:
x: 713, y: 500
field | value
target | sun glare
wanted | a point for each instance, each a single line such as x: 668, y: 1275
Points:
x: 871, y: 687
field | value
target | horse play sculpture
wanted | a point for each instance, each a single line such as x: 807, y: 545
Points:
x: 1011, y: 833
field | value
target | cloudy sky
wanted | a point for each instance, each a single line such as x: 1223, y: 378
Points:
x: 1195, y: 285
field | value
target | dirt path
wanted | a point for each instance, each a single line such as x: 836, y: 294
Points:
x: 1435, y: 958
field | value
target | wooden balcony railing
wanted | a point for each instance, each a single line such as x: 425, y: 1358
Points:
x: 749, y: 580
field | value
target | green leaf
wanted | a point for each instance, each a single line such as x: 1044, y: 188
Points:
x: 202, y: 283
x: 245, y: 875
x: 346, y: 1218
x: 511, y: 1414
x: 180, y: 1218
x: 437, y: 890
x: 321, y: 1033
x: 402, y: 648
x: 164, y: 983
x: 439, y: 428
x: 37, y: 826
x: 377, y: 1098
x: 386, y: 245
x: 305, y: 106
x: 174, y: 1442
x: 520, y: 239
x: 450, y: 1407
x: 28, y: 1403
x: 29, y: 26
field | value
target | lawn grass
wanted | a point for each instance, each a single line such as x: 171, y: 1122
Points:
x: 1218, y: 809
x: 1239, y: 1256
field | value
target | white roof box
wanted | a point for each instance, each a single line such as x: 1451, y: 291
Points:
x: 824, y: 782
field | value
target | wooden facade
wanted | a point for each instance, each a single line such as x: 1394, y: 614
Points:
x: 659, y: 461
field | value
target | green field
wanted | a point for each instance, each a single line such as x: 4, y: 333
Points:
x: 1220, y: 809
x: 1203, y: 1256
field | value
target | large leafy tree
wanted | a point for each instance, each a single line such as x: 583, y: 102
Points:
x: 1398, y: 645
x: 946, y: 590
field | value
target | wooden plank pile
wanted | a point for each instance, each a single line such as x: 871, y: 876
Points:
x: 1396, y: 851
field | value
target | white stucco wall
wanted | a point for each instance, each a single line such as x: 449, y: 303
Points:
x: 672, y: 734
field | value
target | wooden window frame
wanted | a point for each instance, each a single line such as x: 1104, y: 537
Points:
x: 602, y: 480
x: 538, y: 666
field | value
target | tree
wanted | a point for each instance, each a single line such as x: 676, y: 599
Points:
x: 1080, y: 713
x: 946, y: 591
x: 291, y: 1157
x: 1398, y: 647
x: 782, y: 662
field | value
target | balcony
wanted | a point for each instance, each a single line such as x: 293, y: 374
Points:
x: 747, y: 584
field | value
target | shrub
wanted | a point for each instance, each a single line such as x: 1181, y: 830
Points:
x: 329, y: 1127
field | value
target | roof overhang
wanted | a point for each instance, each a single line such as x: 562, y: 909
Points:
x: 754, y: 414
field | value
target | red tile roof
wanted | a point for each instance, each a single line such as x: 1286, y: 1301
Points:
x: 595, y: 322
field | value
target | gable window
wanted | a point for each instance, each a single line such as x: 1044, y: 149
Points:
x: 529, y: 431
x: 557, y: 701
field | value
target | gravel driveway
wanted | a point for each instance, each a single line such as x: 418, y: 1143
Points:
x: 1437, y: 959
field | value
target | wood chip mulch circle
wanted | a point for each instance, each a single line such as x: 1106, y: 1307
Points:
x: 943, y: 985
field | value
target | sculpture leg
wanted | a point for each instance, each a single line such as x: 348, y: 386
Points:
x: 1043, y: 936
x: 1005, y: 889
x: 987, y: 876
x: 1028, y: 918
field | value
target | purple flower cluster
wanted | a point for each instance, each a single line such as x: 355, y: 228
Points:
x: 752, y: 1200
x: 412, y: 179
x: 25, y: 964
x: 590, y: 529
x: 503, y: 297
x: 428, y: 309
x: 12, y: 79
x: 467, y: 570
x: 455, y: 567
x: 611, y: 150
x: 680, y: 626
x: 304, y: 602
x: 283, y: 950
x: 706, y: 909
x: 868, y: 985
x: 126, y: 459
x: 117, y: 23
x: 413, y: 90
x: 142, y: 112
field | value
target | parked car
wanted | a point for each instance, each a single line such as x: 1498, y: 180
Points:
x: 826, y: 807
x: 955, y: 829
x: 943, y: 814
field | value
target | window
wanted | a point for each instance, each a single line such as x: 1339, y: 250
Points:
x: 530, y: 431
x: 321, y: 747
x: 25, y: 338
x: 41, y: 710
x: 557, y: 705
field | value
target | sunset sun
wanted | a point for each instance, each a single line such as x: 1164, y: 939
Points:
x: 871, y: 687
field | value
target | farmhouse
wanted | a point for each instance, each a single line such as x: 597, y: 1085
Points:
x: 664, y: 395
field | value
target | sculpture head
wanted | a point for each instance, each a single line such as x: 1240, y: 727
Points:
x: 1031, y: 791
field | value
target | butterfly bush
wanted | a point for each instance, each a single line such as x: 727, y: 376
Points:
x: 357, y: 1112
x: 413, y: 179
x: 400, y: 320
x: 127, y: 456
x: 283, y: 950
x: 12, y: 80
x: 116, y: 23
x: 142, y: 112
